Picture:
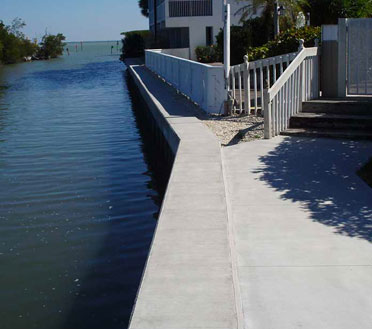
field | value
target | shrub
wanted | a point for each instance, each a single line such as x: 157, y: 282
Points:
x: 286, y: 42
x: 328, y: 11
x: 135, y: 43
x: 206, y: 54
x: 29, y: 48
x: 240, y: 40
x: 254, y: 32
x: 14, y: 46
x: 51, y: 46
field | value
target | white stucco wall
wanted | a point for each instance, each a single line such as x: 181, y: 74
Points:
x: 197, y: 25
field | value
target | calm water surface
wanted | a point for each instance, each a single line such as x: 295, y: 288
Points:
x: 77, y: 199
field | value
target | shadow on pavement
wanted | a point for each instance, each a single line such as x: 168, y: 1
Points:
x: 321, y: 173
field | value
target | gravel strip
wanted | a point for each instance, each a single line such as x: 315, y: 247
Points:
x: 235, y: 129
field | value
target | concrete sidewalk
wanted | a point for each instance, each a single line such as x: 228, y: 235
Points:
x: 302, y: 225
x: 189, y: 280
x: 276, y: 234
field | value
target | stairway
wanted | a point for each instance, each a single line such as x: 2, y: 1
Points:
x: 349, y: 118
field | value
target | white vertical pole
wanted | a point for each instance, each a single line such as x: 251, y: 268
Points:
x: 276, y: 19
x: 255, y: 89
x: 240, y: 89
x: 226, y: 59
x: 247, y: 87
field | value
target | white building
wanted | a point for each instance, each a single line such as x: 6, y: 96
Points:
x: 183, y: 25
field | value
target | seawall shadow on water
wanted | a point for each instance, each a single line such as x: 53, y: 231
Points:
x: 85, y: 311
x: 157, y: 152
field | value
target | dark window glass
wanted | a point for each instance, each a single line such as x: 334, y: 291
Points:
x: 182, y: 8
x: 175, y: 37
x: 209, y: 35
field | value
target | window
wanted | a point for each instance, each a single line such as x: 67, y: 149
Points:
x: 177, y: 37
x: 187, y: 8
x: 209, y: 35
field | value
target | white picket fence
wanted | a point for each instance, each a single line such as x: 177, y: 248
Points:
x: 275, y: 87
x: 249, y: 80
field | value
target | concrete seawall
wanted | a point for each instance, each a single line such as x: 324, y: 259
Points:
x: 188, y: 281
x: 263, y: 237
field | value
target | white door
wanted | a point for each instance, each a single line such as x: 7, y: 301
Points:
x: 359, y: 56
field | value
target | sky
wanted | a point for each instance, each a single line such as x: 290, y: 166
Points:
x: 78, y: 20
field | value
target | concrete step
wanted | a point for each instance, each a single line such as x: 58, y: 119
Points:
x: 349, y: 106
x: 331, y: 121
x: 340, y: 134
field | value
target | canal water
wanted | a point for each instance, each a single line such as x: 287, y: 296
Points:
x: 78, y: 196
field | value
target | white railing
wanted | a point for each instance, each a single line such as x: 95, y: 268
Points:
x: 298, y: 83
x: 248, y: 81
x: 203, y: 84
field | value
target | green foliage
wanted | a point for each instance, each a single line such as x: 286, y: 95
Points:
x: 13, y: 44
x: 240, y: 40
x: 293, y: 7
x: 135, y: 43
x: 254, y: 35
x: 254, y: 32
x: 16, y: 27
x: 51, y: 46
x: 357, y: 8
x: 285, y: 43
x: 207, y: 54
x: 328, y: 11
x: 144, y: 5
x: 29, y: 48
x: 321, y: 11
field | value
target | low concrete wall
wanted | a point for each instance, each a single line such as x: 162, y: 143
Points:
x: 158, y: 113
x: 204, y: 84
x: 189, y: 280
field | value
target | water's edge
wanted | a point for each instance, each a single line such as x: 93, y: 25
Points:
x: 84, y: 170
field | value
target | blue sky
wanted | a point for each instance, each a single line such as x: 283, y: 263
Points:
x: 78, y: 20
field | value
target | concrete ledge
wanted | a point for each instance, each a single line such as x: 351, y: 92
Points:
x: 188, y: 281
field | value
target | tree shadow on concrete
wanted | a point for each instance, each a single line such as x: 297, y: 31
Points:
x: 321, y: 174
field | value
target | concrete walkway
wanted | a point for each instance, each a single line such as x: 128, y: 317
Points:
x: 273, y: 234
x: 302, y: 223
x: 188, y: 281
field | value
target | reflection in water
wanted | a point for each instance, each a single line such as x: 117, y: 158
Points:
x: 78, y: 196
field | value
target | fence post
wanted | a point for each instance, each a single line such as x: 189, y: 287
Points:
x: 226, y: 59
x: 267, y: 116
x: 317, y: 71
x: 302, y: 76
x: 301, y: 45
x: 247, y: 87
